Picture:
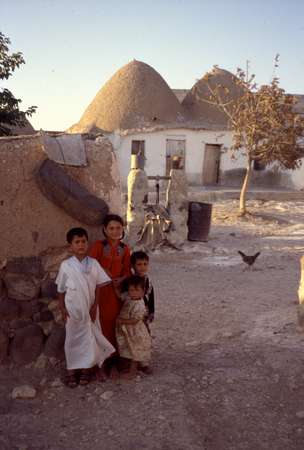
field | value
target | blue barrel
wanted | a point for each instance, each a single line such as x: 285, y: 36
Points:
x: 199, y: 221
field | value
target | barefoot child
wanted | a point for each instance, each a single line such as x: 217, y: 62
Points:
x: 78, y: 283
x: 140, y: 266
x: 133, y: 338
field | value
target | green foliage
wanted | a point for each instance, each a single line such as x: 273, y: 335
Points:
x: 10, y: 114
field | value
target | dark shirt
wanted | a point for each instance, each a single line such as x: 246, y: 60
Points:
x: 149, y: 296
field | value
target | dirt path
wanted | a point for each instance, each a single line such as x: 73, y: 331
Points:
x: 228, y: 358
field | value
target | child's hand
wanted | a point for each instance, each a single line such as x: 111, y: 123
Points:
x: 64, y: 314
x: 117, y: 281
x: 150, y: 317
x: 93, y: 312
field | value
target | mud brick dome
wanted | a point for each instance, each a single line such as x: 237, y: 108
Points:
x: 197, y: 101
x: 136, y: 95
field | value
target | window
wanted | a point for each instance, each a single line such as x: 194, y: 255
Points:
x: 258, y: 165
x: 175, y: 154
x: 138, y: 148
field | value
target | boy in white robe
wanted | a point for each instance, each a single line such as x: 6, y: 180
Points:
x: 78, y: 283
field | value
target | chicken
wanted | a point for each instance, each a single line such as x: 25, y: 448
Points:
x: 249, y: 259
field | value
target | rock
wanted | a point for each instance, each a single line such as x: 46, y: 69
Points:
x: 48, y: 288
x: 2, y: 289
x: 9, y: 309
x: 54, y: 346
x: 53, y: 361
x: 43, y: 381
x: 46, y: 327
x: 25, y: 392
x: 300, y: 414
x: 29, y: 266
x: 192, y: 343
x: 227, y: 334
x: 15, y: 324
x: 29, y: 308
x: 106, y: 395
x: 21, y: 287
x: 66, y: 193
x: 55, y: 308
x: 4, y: 342
x: 57, y: 383
x: 23, y: 447
x: 41, y: 362
x: 43, y: 316
x: 53, y: 305
x: 44, y: 302
x: 52, y: 258
x: 27, y: 344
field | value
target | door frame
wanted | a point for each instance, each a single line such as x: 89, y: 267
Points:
x: 215, y: 169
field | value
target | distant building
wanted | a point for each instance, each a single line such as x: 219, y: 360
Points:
x: 141, y: 114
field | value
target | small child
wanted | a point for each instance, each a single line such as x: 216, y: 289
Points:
x: 78, y: 284
x: 140, y: 266
x: 133, y: 338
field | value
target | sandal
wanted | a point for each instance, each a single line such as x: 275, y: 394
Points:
x: 85, y: 377
x: 71, y: 380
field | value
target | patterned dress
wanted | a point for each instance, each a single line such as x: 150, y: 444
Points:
x: 134, y: 341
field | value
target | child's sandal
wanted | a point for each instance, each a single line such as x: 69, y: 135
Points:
x: 71, y: 380
x: 85, y: 378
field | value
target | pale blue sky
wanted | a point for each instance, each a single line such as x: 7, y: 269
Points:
x: 73, y: 47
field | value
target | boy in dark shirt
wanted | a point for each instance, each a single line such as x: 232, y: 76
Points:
x: 140, y: 266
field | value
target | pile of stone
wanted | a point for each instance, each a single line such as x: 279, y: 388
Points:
x: 30, y: 322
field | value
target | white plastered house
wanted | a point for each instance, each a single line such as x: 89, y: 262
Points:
x: 141, y: 114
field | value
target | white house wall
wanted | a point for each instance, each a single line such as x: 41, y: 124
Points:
x: 155, y: 151
x: 195, y: 141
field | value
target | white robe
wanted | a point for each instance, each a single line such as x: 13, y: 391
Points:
x: 85, y: 346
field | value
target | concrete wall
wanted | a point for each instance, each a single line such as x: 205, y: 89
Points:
x: 231, y: 168
x: 30, y: 223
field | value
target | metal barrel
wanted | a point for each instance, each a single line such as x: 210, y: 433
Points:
x: 199, y: 221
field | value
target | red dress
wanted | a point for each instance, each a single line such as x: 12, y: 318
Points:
x: 115, y: 260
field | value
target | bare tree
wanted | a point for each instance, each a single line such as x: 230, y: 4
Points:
x: 264, y: 124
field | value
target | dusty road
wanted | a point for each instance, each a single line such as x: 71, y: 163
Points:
x: 228, y: 358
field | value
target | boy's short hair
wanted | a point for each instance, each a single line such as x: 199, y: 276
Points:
x: 135, y: 280
x: 138, y: 256
x: 77, y: 231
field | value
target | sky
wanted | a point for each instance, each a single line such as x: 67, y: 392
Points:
x: 72, y: 47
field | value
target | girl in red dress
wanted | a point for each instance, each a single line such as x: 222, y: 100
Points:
x: 114, y: 257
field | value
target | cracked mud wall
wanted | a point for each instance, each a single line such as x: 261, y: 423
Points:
x: 29, y: 223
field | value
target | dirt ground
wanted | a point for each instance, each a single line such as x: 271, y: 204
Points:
x: 228, y: 357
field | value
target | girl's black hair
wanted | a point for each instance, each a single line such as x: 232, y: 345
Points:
x: 134, y: 280
x: 77, y: 231
x: 116, y: 218
x: 109, y: 217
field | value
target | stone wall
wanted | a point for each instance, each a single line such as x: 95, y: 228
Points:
x: 32, y: 243
x: 30, y: 224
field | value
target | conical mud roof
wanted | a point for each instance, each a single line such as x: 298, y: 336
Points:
x: 197, y: 101
x: 136, y: 96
